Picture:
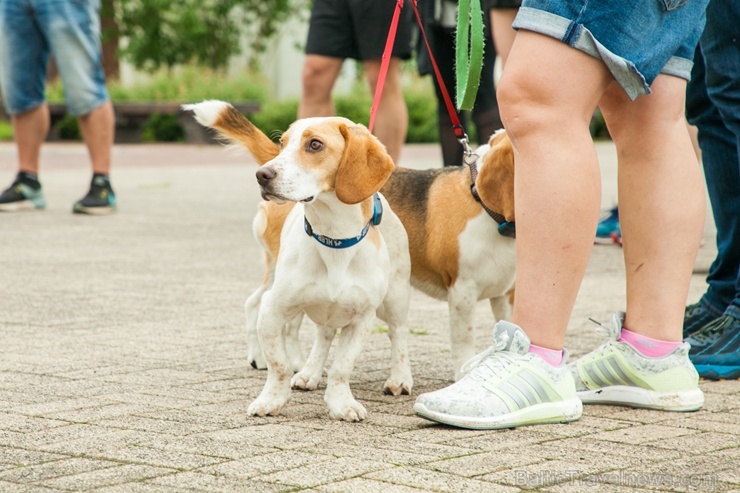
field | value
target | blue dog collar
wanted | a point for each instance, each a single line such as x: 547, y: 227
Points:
x: 348, y: 242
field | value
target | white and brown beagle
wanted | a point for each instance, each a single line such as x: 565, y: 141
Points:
x: 458, y: 252
x: 334, y: 259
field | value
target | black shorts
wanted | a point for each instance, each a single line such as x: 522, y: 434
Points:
x: 358, y: 29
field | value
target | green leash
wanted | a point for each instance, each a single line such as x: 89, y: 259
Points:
x: 468, y: 52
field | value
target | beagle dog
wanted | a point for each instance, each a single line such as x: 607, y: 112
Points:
x: 339, y: 255
x: 459, y: 253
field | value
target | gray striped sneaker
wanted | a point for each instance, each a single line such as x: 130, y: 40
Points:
x: 505, y: 387
x: 615, y: 373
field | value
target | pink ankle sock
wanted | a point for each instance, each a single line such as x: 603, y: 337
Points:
x: 552, y: 356
x: 652, y: 348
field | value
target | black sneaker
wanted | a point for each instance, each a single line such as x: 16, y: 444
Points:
x: 100, y: 199
x: 23, y: 195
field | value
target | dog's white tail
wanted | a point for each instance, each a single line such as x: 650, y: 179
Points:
x: 234, y: 128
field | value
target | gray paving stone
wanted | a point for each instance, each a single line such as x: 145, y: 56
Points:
x: 324, y: 472
x: 55, y: 469
x: 123, y: 474
x: 267, y: 464
x: 643, y: 434
x: 361, y: 485
x: 435, y: 481
x: 193, y: 481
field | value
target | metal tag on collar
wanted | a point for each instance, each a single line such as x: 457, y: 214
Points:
x: 377, y: 210
x: 507, y: 229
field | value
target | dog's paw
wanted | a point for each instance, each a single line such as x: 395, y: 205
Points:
x: 347, y: 410
x: 393, y: 387
x: 265, y: 407
x: 305, y: 381
x: 257, y: 360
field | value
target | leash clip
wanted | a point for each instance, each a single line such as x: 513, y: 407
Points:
x: 469, y: 155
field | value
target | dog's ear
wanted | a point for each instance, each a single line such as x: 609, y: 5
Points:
x: 234, y: 128
x: 365, y: 165
x: 495, y: 181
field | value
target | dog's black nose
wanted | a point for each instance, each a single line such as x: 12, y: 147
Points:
x: 264, y: 175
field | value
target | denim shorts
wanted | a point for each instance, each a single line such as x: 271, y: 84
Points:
x: 636, y: 39
x: 70, y: 30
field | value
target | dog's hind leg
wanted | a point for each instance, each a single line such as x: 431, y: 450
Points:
x: 255, y: 356
x: 461, y: 300
x: 395, y: 312
x: 310, y: 375
x: 501, y: 306
x: 293, y: 343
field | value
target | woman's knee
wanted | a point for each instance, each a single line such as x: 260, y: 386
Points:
x: 661, y: 110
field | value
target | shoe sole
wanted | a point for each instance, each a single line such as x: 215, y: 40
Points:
x: 600, y: 240
x: 620, y: 395
x: 25, y: 205
x: 94, y: 211
x: 715, y: 372
x: 545, y: 413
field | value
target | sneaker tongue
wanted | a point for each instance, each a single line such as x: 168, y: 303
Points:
x: 615, y: 328
x: 510, y: 337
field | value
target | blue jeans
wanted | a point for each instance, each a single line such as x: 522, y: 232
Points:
x: 70, y: 30
x: 636, y: 39
x: 713, y: 105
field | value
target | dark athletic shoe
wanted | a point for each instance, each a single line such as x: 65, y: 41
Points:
x: 100, y: 199
x: 23, y: 195
x: 721, y: 359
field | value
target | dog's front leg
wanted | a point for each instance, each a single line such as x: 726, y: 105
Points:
x: 271, y: 328
x: 461, y: 300
x: 342, y: 405
x: 310, y: 376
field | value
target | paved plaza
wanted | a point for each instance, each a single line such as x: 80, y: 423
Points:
x: 123, y: 359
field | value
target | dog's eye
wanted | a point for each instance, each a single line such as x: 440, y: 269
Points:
x: 314, y: 145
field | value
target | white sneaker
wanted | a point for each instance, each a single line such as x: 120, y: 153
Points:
x: 505, y: 387
x: 616, y: 373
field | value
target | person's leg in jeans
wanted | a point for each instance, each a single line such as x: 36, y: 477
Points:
x: 24, y: 54
x: 713, y: 105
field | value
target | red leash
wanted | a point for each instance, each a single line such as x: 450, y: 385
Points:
x: 385, y: 62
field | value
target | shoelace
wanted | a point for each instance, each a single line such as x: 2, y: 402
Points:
x: 692, y: 310
x: 710, y: 330
x: 494, y: 366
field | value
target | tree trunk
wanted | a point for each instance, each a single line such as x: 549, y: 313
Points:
x: 111, y: 65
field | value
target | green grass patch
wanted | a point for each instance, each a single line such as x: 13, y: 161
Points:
x: 6, y: 130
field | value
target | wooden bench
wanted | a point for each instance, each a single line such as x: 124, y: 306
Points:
x: 130, y: 117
